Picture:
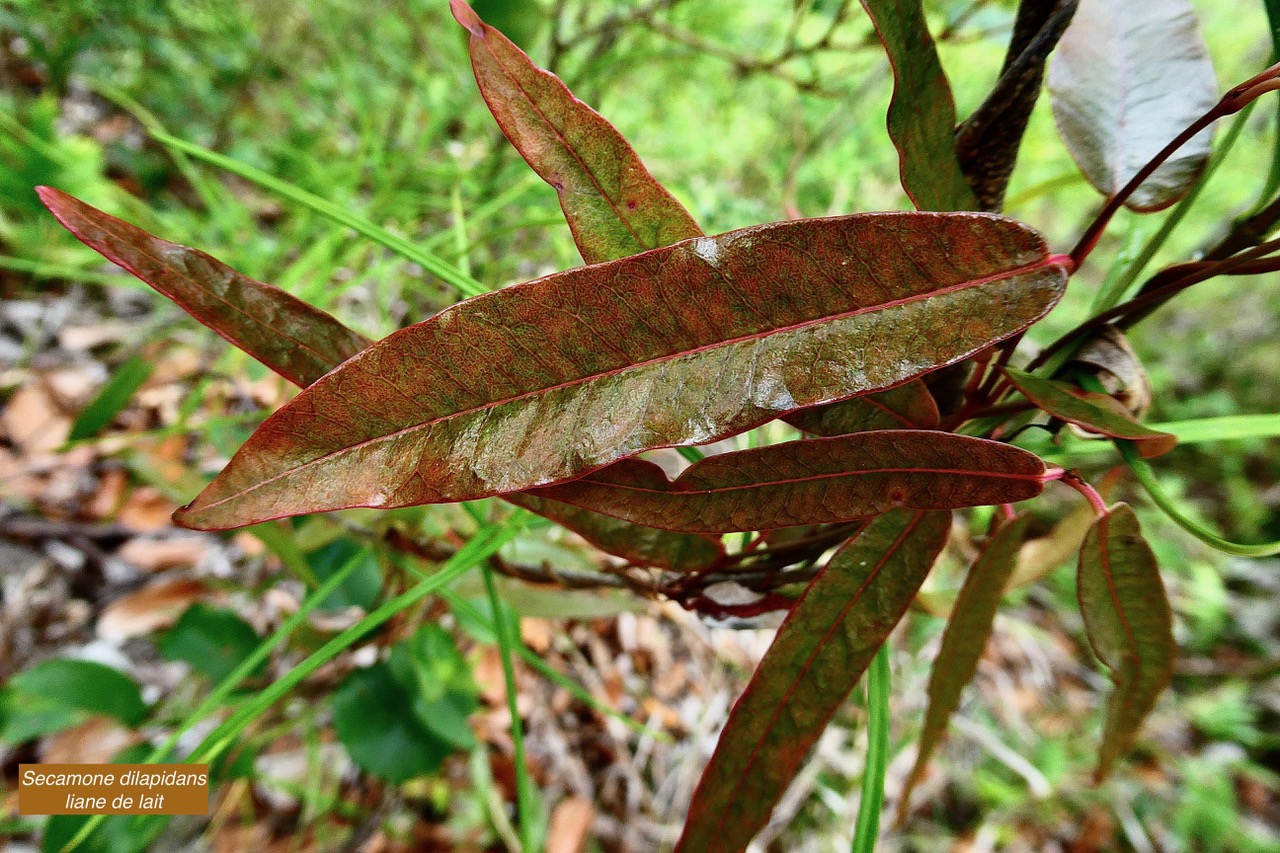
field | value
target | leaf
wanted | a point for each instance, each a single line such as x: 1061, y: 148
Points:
x: 1127, y: 617
x: 212, y: 640
x: 613, y: 205
x: 922, y: 114
x: 112, y: 399
x: 964, y: 640
x: 814, y: 481
x: 1126, y: 79
x: 820, y: 652
x: 908, y: 406
x: 60, y: 692
x: 546, y: 381
x: 268, y: 324
x: 635, y: 543
x: 1096, y: 412
x: 369, y: 714
x: 299, y: 342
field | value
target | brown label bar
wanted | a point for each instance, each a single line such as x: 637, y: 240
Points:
x: 88, y: 789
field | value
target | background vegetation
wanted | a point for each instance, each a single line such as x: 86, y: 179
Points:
x: 750, y: 112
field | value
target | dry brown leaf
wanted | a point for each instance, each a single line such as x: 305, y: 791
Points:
x: 95, y: 741
x: 158, y: 555
x: 106, y: 501
x: 147, y: 509
x: 570, y: 822
x: 73, y: 387
x: 84, y: 338
x: 537, y: 633
x: 151, y: 608
x: 33, y: 422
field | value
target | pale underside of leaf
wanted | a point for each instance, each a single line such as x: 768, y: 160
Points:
x: 1129, y: 624
x: 814, y: 481
x: 546, y: 381
x: 922, y: 113
x: 964, y: 640
x: 613, y: 205
x: 820, y: 652
x: 1125, y: 80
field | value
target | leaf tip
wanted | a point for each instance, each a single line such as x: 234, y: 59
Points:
x: 467, y: 17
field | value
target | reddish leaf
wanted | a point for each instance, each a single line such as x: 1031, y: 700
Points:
x: 814, y: 481
x: 820, y: 652
x: 299, y: 342
x: 613, y: 205
x: 1093, y: 411
x: 909, y: 406
x: 546, y: 381
x: 1126, y: 79
x: 255, y: 316
x: 966, y: 636
x: 1127, y: 617
x: 922, y: 114
x: 636, y: 543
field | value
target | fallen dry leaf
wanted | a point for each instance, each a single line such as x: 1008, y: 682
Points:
x: 570, y: 821
x: 158, y: 555
x: 155, y: 606
x: 146, y: 509
x: 33, y: 422
x: 95, y: 741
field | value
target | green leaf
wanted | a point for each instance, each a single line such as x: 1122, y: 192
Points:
x: 814, y: 481
x: 212, y: 640
x: 1126, y: 79
x: 112, y: 399
x: 61, y: 692
x: 613, y: 205
x: 1096, y: 412
x: 964, y: 640
x: 363, y: 584
x: 546, y: 381
x: 429, y: 666
x: 299, y: 342
x: 909, y: 406
x: 370, y: 715
x: 821, y: 651
x: 922, y: 114
x: 1129, y: 623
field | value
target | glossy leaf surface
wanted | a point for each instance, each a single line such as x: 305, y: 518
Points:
x: 820, y: 652
x: 278, y: 329
x: 922, y: 114
x: 1126, y: 79
x: 1094, y: 411
x: 909, y: 406
x: 613, y: 205
x: 964, y: 640
x: 552, y: 379
x: 273, y: 338
x: 815, y: 481
x: 1129, y: 623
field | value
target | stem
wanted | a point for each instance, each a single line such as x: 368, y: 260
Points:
x: 524, y: 793
x: 867, y: 829
x: 1095, y: 500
